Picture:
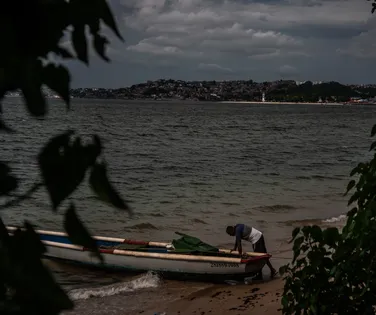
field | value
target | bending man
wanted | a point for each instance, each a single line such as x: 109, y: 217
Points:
x: 250, y: 234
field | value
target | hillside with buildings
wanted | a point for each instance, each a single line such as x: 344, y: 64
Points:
x: 282, y: 90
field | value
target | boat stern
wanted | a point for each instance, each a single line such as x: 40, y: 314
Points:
x: 254, y: 264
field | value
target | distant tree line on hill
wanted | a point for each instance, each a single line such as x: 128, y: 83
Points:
x: 329, y: 91
x: 287, y: 90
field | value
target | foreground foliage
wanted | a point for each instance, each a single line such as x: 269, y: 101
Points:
x: 332, y: 271
x: 32, y: 30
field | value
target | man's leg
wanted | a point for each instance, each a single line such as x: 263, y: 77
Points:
x: 261, y: 248
x: 259, y: 275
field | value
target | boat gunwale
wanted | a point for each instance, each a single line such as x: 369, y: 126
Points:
x: 170, y: 256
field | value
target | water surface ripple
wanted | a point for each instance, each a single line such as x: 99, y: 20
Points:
x: 197, y: 167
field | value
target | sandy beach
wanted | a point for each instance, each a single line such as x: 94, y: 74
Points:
x: 260, y: 298
x: 161, y: 296
x: 184, y: 298
x: 180, y: 297
x: 191, y: 298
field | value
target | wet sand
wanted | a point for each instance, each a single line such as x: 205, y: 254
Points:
x: 261, y: 298
x: 181, y: 297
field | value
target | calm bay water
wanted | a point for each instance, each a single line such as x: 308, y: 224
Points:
x: 197, y: 167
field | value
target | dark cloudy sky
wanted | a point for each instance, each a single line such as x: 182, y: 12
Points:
x: 237, y: 39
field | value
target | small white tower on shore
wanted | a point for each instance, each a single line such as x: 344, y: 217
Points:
x: 263, y: 97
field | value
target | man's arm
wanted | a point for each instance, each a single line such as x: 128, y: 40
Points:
x: 240, y: 247
x: 238, y: 242
x: 235, y: 246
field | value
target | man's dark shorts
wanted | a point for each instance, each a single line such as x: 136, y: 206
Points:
x: 259, y: 246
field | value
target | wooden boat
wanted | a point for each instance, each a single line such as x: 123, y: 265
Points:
x: 162, y: 258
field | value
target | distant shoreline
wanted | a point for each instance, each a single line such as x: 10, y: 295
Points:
x: 55, y: 97
x: 279, y: 103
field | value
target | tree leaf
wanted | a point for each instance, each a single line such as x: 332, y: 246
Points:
x: 284, y: 301
x: 58, y: 79
x: 53, y: 166
x: 352, y: 212
x: 331, y: 236
x: 8, y: 182
x: 327, y: 262
x: 100, y: 43
x: 316, y: 233
x: 354, y: 171
x: 350, y: 186
x: 31, y: 84
x: 108, y: 18
x: 92, y: 151
x: 296, y: 248
x: 313, y: 308
x: 103, y: 189
x: 295, y: 232
x: 64, y: 165
x: 283, y: 269
x: 25, y: 271
x: 353, y: 198
x: 373, y: 131
x: 315, y: 256
x: 373, y: 145
x: 298, y: 242
x: 64, y: 53
x: 79, y: 42
x: 34, y: 238
x: 4, y: 235
x: 306, y: 230
x: 333, y: 271
x: 77, y: 232
x: 10, y: 75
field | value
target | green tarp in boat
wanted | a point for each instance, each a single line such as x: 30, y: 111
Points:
x: 185, y: 244
x: 189, y: 243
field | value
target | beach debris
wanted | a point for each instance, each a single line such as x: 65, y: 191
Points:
x: 216, y: 294
x: 232, y: 282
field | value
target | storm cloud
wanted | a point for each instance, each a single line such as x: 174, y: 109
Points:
x: 237, y: 39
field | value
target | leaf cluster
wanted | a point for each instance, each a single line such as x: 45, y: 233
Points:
x: 330, y: 263
x: 31, y: 31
